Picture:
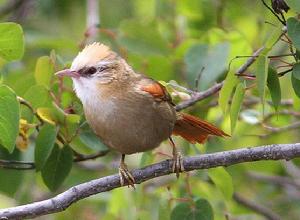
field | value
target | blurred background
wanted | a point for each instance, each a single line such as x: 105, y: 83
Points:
x: 175, y: 42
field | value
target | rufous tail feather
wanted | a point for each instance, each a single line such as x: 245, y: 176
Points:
x: 195, y: 130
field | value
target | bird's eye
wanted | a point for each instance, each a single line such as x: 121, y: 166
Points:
x: 90, y: 71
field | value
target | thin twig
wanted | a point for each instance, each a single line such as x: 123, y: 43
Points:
x: 29, y: 165
x: 258, y: 208
x: 104, y: 184
x: 279, y: 180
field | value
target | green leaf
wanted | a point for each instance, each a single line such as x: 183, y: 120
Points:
x: 200, y: 57
x: 9, y: 118
x: 44, y: 145
x: 37, y: 96
x: 296, y: 85
x: 57, y: 167
x: 296, y: 71
x: 294, y: 5
x: 262, y: 75
x: 274, y: 34
x: 11, y: 41
x: 236, y: 104
x: 226, y: 91
x: 92, y: 141
x: 293, y: 30
x: 274, y: 87
x: 44, y: 71
x: 222, y: 180
x: 11, y: 180
x: 201, y: 211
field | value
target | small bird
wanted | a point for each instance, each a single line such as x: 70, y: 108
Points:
x: 129, y: 111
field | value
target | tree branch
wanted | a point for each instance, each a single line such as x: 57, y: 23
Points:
x: 206, y: 161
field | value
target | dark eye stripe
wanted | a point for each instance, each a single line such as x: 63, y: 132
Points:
x: 87, y: 71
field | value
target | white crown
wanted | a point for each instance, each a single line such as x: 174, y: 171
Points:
x: 90, y: 55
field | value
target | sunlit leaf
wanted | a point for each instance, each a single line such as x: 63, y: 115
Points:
x: 226, y: 91
x: 11, y: 41
x: 46, y: 114
x: 57, y: 166
x: 222, y: 180
x: 201, y: 210
x: 9, y: 118
x: 237, y: 101
x: 274, y: 87
x: 43, y: 71
x: 44, y: 144
x: 293, y: 26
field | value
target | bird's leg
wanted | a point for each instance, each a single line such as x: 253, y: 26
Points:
x: 125, y: 174
x: 177, y: 159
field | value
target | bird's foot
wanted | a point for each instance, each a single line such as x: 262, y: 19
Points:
x: 126, y: 175
x: 177, y: 166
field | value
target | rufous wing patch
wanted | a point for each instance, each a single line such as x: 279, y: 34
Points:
x: 155, y: 89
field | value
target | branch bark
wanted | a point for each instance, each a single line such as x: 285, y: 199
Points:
x: 206, y: 161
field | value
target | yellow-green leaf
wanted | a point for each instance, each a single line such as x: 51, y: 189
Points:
x: 226, y: 91
x: 222, y: 180
x: 44, y: 71
x: 46, y: 114
x: 11, y: 41
x: 236, y: 104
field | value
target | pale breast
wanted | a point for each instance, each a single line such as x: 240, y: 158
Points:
x: 132, y: 123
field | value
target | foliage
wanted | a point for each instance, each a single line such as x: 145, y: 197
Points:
x: 189, y: 43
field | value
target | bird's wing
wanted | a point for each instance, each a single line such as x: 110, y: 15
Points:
x: 157, y: 90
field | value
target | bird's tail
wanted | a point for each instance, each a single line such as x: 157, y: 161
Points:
x: 194, y: 129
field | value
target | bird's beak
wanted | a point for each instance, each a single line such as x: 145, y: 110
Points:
x: 67, y: 72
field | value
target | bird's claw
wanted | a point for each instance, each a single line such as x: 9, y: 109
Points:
x: 126, y: 175
x: 177, y: 166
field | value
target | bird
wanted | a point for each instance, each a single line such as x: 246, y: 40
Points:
x: 129, y: 111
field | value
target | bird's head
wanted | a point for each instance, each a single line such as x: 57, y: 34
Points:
x: 95, y: 66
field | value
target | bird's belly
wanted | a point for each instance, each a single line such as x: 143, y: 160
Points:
x: 130, y: 128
